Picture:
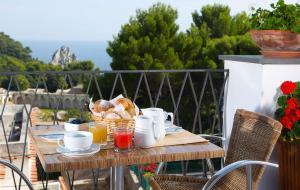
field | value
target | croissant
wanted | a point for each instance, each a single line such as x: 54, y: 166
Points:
x: 102, y: 105
x: 128, y: 106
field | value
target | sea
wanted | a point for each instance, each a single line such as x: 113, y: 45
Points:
x: 91, y: 50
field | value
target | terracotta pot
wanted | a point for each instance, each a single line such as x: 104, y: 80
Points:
x: 289, y: 164
x: 277, y: 43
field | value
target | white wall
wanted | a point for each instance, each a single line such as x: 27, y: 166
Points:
x: 255, y: 87
x: 243, y: 90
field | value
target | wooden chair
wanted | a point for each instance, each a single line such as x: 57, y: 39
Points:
x: 252, y: 140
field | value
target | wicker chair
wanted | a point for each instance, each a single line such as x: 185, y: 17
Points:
x: 18, y: 171
x: 253, y: 138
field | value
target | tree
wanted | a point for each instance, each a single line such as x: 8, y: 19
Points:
x: 216, y: 17
x: 8, y: 63
x: 13, y: 48
x: 221, y: 33
x: 36, y: 65
x: 240, y: 24
x: 80, y: 65
x: 147, y: 41
x: 216, y: 21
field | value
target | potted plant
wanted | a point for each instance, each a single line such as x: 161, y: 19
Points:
x: 276, y: 31
x: 288, y: 113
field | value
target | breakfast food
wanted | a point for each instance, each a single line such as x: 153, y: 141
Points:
x: 117, y: 108
x: 102, y: 105
x: 128, y: 106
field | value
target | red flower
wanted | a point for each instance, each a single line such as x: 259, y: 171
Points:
x: 286, y: 122
x: 146, y: 169
x: 287, y: 111
x: 287, y: 87
x: 152, y: 166
x: 292, y: 103
x: 298, y: 114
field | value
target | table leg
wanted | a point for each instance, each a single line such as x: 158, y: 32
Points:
x: 118, y: 178
x: 112, y: 178
x: 45, y: 184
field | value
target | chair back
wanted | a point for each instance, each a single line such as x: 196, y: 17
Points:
x: 19, y: 172
x: 253, y: 137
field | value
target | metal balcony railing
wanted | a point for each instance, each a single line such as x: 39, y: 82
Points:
x: 194, y: 96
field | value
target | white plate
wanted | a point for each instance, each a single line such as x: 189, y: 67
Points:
x: 66, y: 152
x: 52, y: 137
x: 172, y: 130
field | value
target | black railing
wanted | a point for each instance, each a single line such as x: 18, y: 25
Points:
x: 194, y: 96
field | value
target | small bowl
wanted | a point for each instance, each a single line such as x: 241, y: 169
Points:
x: 71, y: 126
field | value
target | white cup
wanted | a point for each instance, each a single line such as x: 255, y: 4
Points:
x: 77, y: 140
x: 145, y: 135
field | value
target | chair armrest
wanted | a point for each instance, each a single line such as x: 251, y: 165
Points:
x: 18, y: 171
x: 227, y: 169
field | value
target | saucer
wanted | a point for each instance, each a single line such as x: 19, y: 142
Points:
x: 94, y: 148
x: 172, y: 130
x: 52, y: 137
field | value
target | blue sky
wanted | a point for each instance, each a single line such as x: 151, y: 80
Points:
x: 92, y: 20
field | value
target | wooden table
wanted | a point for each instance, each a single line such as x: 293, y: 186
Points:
x: 55, y: 162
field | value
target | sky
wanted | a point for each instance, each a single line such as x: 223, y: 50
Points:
x: 93, y: 20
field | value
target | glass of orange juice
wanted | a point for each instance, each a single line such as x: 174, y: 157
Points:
x: 99, y: 130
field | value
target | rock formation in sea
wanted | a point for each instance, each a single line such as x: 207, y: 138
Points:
x: 63, y: 56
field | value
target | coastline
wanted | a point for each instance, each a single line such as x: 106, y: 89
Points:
x: 84, y: 50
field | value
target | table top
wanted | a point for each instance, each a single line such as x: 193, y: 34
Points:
x: 55, y: 162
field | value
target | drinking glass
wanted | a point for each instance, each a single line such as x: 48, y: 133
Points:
x: 123, y: 139
x: 99, y: 130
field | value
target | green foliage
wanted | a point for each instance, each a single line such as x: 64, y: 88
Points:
x: 222, y: 34
x: 281, y: 101
x: 217, y: 21
x: 148, y: 41
x: 36, y: 65
x: 216, y: 17
x: 80, y: 65
x: 13, y: 48
x: 151, y: 39
x: 228, y: 45
x: 282, y: 16
x: 279, y: 113
x: 14, y: 57
x: 240, y: 24
x: 75, y: 113
x: 8, y: 63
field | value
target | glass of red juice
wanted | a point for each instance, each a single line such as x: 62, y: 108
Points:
x: 123, y: 139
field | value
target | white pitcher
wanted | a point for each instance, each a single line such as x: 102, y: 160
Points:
x: 159, y: 116
x: 145, y: 133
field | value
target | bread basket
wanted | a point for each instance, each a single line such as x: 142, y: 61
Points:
x: 118, y: 112
x: 111, y: 124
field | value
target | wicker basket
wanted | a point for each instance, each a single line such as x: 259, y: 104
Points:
x: 111, y: 124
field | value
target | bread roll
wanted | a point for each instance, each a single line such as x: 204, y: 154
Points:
x: 102, y: 106
x: 128, y: 105
x: 111, y: 115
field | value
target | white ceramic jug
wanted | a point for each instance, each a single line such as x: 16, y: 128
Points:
x: 159, y: 116
x: 145, y: 133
